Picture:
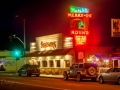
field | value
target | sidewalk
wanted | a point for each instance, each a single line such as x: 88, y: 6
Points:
x: 51, y: 76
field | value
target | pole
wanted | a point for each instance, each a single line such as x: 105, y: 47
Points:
x: 24, y: 39
x: 24, y: 36
x: 16, y: 66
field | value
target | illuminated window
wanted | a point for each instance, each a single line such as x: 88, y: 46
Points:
x: 44, y: 63
x: 67, y: 63
x: 51, y: 63
x: 57, y: 63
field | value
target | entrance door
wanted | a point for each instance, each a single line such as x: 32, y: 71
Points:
x: 115, y: 63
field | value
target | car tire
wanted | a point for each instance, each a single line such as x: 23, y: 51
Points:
x: 65, y: 76
x: 101, y: 80
x: 19, y: 74
x: 92, y: 71
x: 79, y: 78
x: 118, y: 81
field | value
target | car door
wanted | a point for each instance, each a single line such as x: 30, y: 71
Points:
x: 114, y: 75
x: 73, y: 70
x: 106, y: 75
x: 23, y: 69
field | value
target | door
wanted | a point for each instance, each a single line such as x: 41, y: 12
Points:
x: 73, y: 70
x: 114, y: 75
x: 107, y: 74
x: 23, y: 69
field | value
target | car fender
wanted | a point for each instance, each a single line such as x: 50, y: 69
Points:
x: 118, y: 76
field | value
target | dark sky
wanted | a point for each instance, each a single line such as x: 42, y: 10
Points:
x: 50, y: 16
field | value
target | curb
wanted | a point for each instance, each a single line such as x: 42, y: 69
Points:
x: 51, y: 77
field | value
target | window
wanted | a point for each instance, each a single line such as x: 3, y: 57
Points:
x: 58, y: 63
x: 67, y: 63
x: 76, y: 65
x: 44, y: 63
x: 51, y: 63
x: 38, y: 63
x: 110, y: 70
x: 116, y: 69
x: 80, y: 65
x: 73, y: 65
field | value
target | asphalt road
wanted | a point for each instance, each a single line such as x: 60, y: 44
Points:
x: 42, y: 83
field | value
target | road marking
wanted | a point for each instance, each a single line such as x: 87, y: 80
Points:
x: 73, y: 84
x: 36, y: 80
x: 42, y: 86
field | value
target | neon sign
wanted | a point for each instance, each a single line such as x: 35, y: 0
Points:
x: 80, y: 15
x: 81, y: 32
x: 79, y: 24
x: 74, y: 9
x: 48, y: 44
x: 80, y: 40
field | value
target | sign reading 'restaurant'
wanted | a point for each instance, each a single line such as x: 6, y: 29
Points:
x: 49, y: 42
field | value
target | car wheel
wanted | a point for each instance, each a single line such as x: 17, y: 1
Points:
x: 65, y: 76
x: 101, y: 80
x: 119, y: 81
x: 19, y: 74
x: 92, y: 71
x: 79, y: 78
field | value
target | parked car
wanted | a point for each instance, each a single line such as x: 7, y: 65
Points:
x: 29, y: 70
x: 102, y: 69
x: 111, y: 75
x: 2, y: 68
x: 82, y: 71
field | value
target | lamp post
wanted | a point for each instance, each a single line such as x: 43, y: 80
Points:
x: 24, y: 44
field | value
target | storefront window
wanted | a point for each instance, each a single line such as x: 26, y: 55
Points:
x: 51, y: 63
x: 38, y: 63
x: 58, y: 63
x: 67, y: 63
x: 44, y: 63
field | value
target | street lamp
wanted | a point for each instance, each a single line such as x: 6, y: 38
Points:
x: 24, y: 31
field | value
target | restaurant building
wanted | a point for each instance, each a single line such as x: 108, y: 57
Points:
x: 53, y: 53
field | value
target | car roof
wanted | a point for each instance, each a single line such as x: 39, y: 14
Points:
x: 116, y: 67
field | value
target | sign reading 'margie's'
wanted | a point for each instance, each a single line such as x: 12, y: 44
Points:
x: 49, y: 42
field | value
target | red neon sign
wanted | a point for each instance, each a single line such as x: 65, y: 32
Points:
x: 79, y: 32
x: 80, y: 40
x: 80, y: 15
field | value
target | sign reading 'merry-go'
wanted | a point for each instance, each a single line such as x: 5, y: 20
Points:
x: 115, y: 27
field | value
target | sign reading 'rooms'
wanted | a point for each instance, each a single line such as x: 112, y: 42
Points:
x: 115, y: 27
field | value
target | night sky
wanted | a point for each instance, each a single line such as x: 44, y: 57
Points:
x: 45, y: 17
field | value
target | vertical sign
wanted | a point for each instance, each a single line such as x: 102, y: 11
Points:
x: 115, y: 27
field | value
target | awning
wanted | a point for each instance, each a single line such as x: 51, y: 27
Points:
x: 48, y: 53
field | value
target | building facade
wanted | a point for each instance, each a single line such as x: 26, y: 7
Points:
x: 55, y: 53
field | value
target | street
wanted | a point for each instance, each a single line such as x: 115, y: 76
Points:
x: 45, y: 83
